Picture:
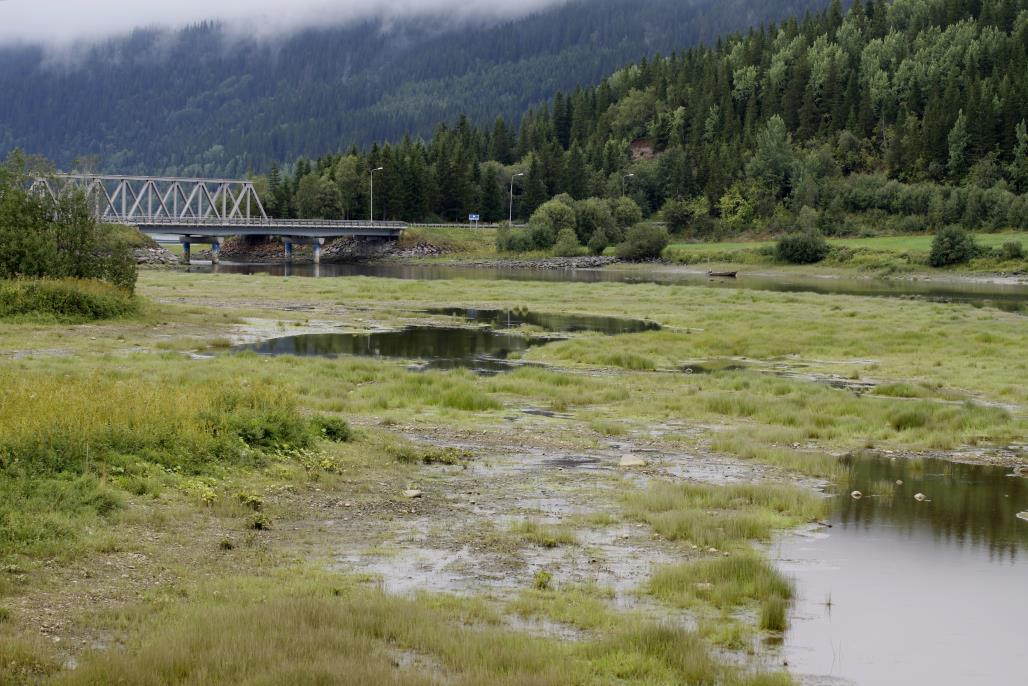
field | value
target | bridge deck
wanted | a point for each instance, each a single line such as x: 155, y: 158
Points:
x: 306, y: 228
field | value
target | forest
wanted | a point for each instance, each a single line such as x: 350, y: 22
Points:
x: 891, y: 117
x: 210, y: 101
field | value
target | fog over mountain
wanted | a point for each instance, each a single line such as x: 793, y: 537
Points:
x: 66, y: 22
x: 264, y: 82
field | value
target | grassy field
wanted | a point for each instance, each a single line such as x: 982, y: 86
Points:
x: 890, y: 253
x: 921, y: 244
x: 194, y: 492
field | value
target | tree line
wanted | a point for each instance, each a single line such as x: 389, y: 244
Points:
x: 897, y: 116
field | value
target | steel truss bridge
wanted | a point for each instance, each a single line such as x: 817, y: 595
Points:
x: 202, y: 210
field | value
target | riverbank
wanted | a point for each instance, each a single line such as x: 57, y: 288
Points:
x: 554, y: 521
x: 885, y: 257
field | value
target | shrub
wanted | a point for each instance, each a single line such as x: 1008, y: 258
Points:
x: 643, y: 242
x: 591, y: 216
x: 549, y: 220
x: 332, y: 428
x: 65, y: 300
x: 677, y: 215
x: 513, y: 240
x: 802, y: 248
x: 952, y: 245
x: 567, y: 244
x: 1011, y: 250
x: 46, y: 238
x: 626, y: 212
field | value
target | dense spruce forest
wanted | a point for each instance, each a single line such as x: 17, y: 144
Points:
x: 209, y: 101
x: 887, y: 117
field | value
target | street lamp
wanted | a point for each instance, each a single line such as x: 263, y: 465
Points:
x: 510, y: 208
x: 371, y: 210
x: 623, y: 179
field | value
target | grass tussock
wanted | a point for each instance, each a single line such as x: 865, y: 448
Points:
x: 68, y: 301
x: 545, y: 535
x: 723, y: 582
x: 723, y: 517
x: 582, y: 607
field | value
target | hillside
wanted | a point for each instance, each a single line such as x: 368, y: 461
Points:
x: 204, y: 100
x: 885, y: 117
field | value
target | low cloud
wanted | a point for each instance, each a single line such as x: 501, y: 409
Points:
x: 64, y: 22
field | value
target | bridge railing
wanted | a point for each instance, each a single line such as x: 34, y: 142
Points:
x: 257, y: 222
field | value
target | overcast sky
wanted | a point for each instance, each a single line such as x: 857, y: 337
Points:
x: 67, y: 21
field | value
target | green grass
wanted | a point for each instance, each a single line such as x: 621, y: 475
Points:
x: 456, y: 241
x: 582, y: 607
x: 65, y: 301
x: 545, y: 535
x: 72, y: 446
x: 723, y: 517
x: 724, y: 582
x: 879, y: 252
x: 316, y: 628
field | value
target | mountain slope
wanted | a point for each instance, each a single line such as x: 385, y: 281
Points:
x: 889, y: 117
x: 206, y: 101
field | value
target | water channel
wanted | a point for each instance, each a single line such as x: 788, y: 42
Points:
x: 1009, y: 297
x: 903, y: 590
x: 482, y: 350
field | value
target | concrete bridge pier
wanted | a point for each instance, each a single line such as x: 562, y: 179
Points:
x: 214, y: 241
x: 315, y: 243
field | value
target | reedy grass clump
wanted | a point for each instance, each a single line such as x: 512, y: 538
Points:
x: 545, y: 535
x: 66, y: 301
x: 583, y: 607
x: 728, y: 519
x: 772, y: 613
x: 723, y: 582
x: 725, y: 517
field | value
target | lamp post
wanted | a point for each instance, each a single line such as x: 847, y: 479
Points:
x: 371, y: 207
x: 510, y: 208
x: 623, y: 179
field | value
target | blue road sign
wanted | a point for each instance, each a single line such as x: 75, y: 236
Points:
x: 473, y: 217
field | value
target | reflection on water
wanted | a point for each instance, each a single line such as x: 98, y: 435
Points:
x: 549, y: 321
x: 1007, y: 297
x: 481, y: 350
x: 901, y: 590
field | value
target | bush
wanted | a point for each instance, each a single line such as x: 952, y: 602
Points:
x: 626, y: 212
x: 332, y: 428
x: 802, y: 248
x: 66, y: 300
x: 549, y: 220
x: 677, y: 215
x: 1011, y: 250
x: 952, y: 245
x: 45, y: 238
x: 513, y: 240
x: 567, y: 244
x: 643, y: 242
x: 593, y: 215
